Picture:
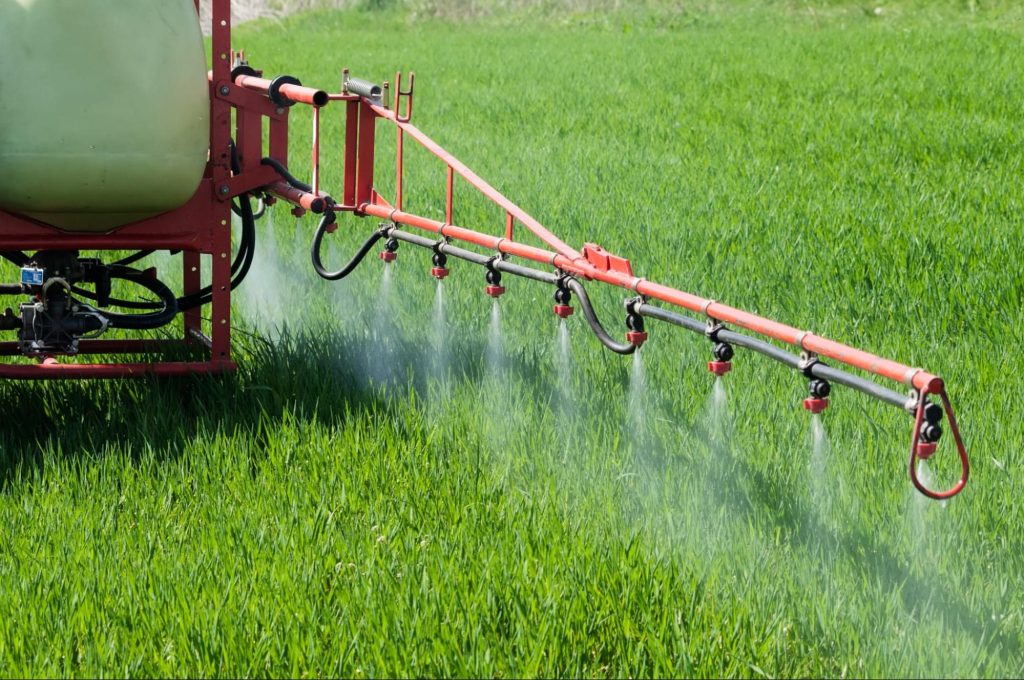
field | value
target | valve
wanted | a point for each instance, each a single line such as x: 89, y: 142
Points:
x: 635, y: 323
x: 440, y: 269
x: 494, y: 287
x: 819, y: 390
x: 562, y: 299
x: 722, y: 362
x: 390, y: 254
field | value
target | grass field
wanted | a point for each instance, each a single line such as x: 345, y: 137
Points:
x: 378, y: 494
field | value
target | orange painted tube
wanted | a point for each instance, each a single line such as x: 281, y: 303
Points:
x: 303, y: 199
x: 292, y: 92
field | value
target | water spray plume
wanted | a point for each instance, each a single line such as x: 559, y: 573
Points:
x: 495, y: 340
x: 441, y: 358
x: 717, y: 413
x: 821, y: 483
x: 638, y: 397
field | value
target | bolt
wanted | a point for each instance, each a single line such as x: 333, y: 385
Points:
x: 224, y: 190
x: 280, y: 110
x: 225, y: 90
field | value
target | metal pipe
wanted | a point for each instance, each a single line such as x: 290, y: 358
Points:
x: 292, y: 92
x: 816, y: 370
x: 301, y: 198
x: 526, y: 272
x: 475, y: 258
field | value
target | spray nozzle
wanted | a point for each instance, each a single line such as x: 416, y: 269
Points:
x: 493, y: 277
x: 390, y: 252
x: 440, y: 269
x: 635, y: 323
x: 723, y: 354
x: 562, y: 299
x: 819, y: 390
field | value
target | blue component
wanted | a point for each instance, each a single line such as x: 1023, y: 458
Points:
x: 31, y: 276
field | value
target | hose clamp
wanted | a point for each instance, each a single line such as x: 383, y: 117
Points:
x: 712, y: 328
x: 807, y: 361
x: 633, y: 304
x: 908, y: 377
x: 497, y: 246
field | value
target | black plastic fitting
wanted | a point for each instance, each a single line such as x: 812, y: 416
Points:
x: 932, y: 413
x: 391, y: 245
x: 819, y: 389
x: 440, y: 259
x: 930, y: 433
x: 723, y: 351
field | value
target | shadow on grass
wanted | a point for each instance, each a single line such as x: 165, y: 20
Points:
x: 321, y: 375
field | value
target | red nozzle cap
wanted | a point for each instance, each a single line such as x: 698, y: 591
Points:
x: 815, y: 405
x: 564, y: 311
x: 719, y: 368
x: 495, y: 291
x: 331, y: 228
x: 439, y: 273
x: 926, y: 450
x: 298, y: 212
x: 388, y: 256
x: 637, y: 338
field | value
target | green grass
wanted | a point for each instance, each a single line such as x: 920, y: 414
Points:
x: 338, y: 509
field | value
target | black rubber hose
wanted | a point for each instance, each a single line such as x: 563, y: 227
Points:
x: 135, y: 257
x: 327, y: 220
x: 12, y: 289
x: 595, y: 325
x: 288, y: 176
x: 156, y: 319
x: 15, y: 257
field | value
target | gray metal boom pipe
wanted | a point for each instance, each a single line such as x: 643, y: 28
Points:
x: 816, y: 370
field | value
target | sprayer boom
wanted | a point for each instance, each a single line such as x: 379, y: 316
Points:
x: 240, y: 169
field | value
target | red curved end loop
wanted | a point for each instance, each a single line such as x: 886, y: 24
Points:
x: 965, y: 466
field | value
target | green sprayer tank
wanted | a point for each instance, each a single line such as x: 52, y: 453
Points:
x: 104, y: 109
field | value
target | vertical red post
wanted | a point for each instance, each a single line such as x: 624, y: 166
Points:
x: 399, y: 160
x: 316, y: 150
x: 221, y: 307
x: 509, y: 224
x: 191, y: 284
x: 364, y: 167
x: 220, y: 159
x: 351, y: 148
x: 279, y: 136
